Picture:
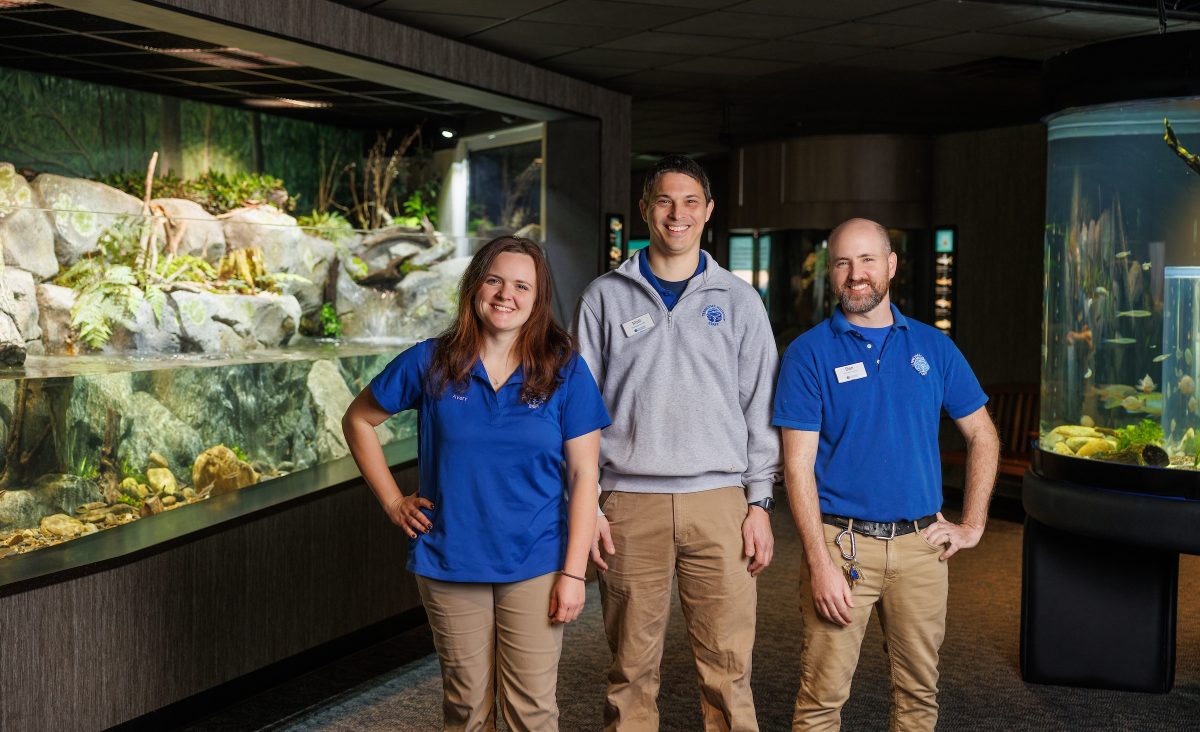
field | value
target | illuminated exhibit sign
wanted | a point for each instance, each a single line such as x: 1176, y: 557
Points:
x: 614, y: 227
x: 943, y: 279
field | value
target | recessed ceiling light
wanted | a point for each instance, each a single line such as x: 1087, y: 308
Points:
x: 285, y: 103
x: 447, y: 133
x: 226, y: 58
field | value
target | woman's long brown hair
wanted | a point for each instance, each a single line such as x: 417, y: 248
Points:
x: 543, y: 346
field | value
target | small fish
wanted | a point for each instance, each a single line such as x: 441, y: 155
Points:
x: 1146, y: 384
x: 1122, y: 255
x: 1101, y: 291
x: 1146, y: 267
x: 1160, y: 359
x: 1132, y: 404
x: 942, y: 302
x: 1119, y: 341
x: 1087, y: 374
x: 1187, y: 356
x: 1134, y: 314
x: 945, y: 260
x: 944, y: 281
x: 942, y: 324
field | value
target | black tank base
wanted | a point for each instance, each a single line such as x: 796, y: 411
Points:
x: 1099, y: 586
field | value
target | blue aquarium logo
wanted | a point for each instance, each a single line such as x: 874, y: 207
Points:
x: 920, y: 364
x: 713, y: 314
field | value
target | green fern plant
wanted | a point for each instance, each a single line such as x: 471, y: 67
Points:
x: 331, y: 325
x: 102, y: 301
x: 329, y: 225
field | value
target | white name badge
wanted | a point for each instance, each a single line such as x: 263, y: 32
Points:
x: 639, y: 324
x: 851, y: 372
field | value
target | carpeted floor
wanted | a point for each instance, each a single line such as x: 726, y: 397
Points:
x: 981, y: 688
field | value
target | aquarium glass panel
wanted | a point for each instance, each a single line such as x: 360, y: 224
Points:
x: 1122, y: 267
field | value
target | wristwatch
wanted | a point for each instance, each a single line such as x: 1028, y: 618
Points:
x: 766, y: 504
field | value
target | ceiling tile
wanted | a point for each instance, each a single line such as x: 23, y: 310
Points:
x: 990, y: 44
x: 1083, y: 26
x: 612, y: 14
x: 902, y: 59
x: 841, y: 10
x: 590, y: 73
x: 725, y: 66
x: 743, y: 25
x: 676, y: 43
x: 443, y: 24
x: 570, y: 37
x: 874, y: 35
x: 963, y: 15
x: 478, y: 8
x: 796, y: 53
x: 619, y: 59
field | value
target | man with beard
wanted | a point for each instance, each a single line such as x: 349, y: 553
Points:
x: 859, y: 400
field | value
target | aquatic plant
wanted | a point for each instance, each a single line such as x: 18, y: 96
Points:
x: 1147, y: 432
x: 129, y: 500
x: 239, y: 453
x: 329, y: 225
x: 86, y: 469
x: 331, y: 325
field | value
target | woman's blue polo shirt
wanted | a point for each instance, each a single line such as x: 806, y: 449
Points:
x: 493, y: 467
x: 877, y: 409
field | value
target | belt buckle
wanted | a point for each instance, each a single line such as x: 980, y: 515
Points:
x: 888, y: 538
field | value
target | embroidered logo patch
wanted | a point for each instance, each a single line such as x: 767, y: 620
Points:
x: 920, y: 364
x: 713, y: 314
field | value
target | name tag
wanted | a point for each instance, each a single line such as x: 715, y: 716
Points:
x: 639, y: 324
x: 851, y: 372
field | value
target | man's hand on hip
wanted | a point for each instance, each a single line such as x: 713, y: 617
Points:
x: 951, y: 535
x: 758, y: 543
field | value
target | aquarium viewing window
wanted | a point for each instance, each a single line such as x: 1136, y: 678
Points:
x: 1122, y: 271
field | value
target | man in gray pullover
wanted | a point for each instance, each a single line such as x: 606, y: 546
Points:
x: 683, y: 353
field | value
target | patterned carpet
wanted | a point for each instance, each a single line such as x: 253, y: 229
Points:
x: 981, y: 687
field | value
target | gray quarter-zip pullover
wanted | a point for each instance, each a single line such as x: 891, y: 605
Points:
x: 690, y: 390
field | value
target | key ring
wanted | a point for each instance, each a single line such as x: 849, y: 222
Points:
x: 837, y: 540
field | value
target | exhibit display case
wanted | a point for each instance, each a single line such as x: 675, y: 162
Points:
x: 1120, y: 362
x: 1112, y: 498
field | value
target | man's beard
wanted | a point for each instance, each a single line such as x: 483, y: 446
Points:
x: 855, y: 303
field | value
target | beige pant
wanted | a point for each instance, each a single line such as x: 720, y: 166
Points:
x: 495, y: 640
x: 696, y: 538
x: 907, y: 585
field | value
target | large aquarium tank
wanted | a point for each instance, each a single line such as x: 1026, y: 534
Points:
x: 1120, y: 363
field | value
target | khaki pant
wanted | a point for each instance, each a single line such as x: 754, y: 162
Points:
x: 696, y: 538
x: 907, y: 585
x: 495, y: 640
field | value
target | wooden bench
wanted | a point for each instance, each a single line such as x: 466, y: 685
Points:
x: 1015, y: 410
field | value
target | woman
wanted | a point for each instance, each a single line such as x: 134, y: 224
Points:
x: 502, y: 400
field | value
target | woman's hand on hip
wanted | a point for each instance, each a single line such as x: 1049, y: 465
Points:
x: 405, y: 512
x: 566, y: 599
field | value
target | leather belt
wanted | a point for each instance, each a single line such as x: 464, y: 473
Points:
x: 879, y: 529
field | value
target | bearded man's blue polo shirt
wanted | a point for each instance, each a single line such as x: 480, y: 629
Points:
x: 877, y: 409
x: 492, y: 465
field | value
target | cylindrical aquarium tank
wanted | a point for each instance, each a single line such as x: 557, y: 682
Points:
x: 1122, y: 272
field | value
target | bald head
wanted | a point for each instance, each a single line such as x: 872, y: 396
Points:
x: 861, y: 227
x: 861, y: 268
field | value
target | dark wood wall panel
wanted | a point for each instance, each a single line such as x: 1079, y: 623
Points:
x: 107, y: 647
x: 991, y: 184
